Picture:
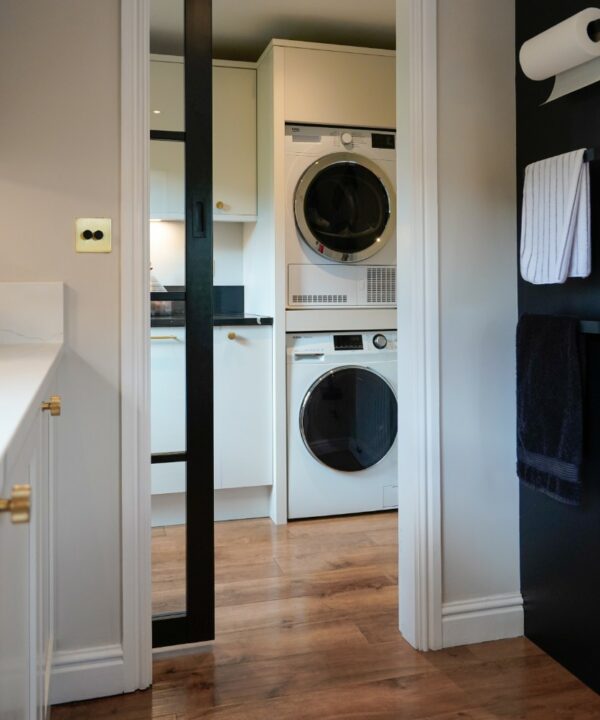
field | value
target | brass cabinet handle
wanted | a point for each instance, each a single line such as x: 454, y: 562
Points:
x: 164, y: 337
x: 231, y: 335
x: 53, y: 405
x: 220, y: 205
x: 18, y: 505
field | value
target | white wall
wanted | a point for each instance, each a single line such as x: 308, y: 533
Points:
x: 59, y: 159
x: 167, y: 252
x: 478, y: 305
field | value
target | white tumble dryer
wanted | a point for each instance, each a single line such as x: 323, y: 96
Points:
x: 340, y: 217
x: 342, y: 423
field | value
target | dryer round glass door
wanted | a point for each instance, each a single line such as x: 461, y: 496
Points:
x: 349, y: 418
x: 344, y: 207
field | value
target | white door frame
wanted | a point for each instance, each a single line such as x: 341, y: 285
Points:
x: 420, y: 554
x: 419, y: 482
x: 136, y: 537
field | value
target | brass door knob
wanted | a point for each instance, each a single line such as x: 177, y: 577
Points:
x: 220, y: 205
x: 53, y: 405
x: 231, y: 335
x: 18, y: 505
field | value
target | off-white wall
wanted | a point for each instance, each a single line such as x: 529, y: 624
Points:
x: 478, y: 297
x: 167, y: 252
x: 59, y: 159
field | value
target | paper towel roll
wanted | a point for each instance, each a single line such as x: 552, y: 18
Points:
x: 561, y: 47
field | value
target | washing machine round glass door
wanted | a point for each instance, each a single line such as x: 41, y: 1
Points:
x: 349, y: 418
x: 344, y: 207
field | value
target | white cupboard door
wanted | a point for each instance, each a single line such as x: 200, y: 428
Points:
x: 167, y: 180
x: 166, y: 95
x: 20, y: 644
x: 14, y: 614
x: 234, y: 143
x: 167, y: 411
x: 326, y: 87
x: 243, y: 396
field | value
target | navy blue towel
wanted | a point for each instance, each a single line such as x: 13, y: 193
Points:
x: 550, y: 406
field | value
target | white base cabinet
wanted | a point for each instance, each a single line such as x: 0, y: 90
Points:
x: 26, y: 561
x: 243, y: 416
x: 243, y: 371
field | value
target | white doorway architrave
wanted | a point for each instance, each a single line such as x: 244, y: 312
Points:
x: 419, y: 480
x: 419, y: 487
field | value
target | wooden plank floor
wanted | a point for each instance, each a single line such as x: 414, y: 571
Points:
x: 306, y: 629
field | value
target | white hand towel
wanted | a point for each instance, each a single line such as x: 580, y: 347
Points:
x: 555, y: 228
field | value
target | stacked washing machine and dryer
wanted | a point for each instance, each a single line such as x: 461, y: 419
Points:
x: 341, y: 253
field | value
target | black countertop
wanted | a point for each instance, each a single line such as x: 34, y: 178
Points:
x: 219, y: 320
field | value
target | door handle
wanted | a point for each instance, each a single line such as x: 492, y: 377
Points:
x: 198, y: 218
x: 54, y: 405
x: 18, y: 505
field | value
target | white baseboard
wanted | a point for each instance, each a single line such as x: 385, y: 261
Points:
x: 242, y: 503
x: 88, y: 673
x: 483, y: 619
x: 230, y: 504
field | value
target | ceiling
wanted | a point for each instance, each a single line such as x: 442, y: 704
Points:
x: 242, y: 28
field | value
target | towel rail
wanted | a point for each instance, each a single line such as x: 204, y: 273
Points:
x: 590, y: 155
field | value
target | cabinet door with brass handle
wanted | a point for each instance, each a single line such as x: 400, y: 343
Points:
x: 25, y: 567
x: 243, y: 387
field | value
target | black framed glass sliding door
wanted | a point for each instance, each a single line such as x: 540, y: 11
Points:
x: 182, y: 333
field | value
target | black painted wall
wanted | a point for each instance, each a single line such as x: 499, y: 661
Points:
x: 560, y: 545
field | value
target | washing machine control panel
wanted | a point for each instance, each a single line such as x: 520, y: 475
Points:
x: 323, y: 347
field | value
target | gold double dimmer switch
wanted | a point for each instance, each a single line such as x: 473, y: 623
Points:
x: 93, y: 235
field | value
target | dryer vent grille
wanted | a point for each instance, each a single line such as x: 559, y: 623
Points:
x: 381, y: 285
x: 319, y: 299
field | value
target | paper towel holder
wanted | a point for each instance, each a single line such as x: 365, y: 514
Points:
x: 569, y: 52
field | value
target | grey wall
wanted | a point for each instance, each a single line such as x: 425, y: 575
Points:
x: 59, y: 159
x: 478, y: 297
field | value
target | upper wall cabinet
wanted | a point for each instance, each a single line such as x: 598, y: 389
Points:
x: 334, y: 85
x: 234, y: 139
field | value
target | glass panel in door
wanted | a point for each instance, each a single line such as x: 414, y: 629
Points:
x: 181, y: 322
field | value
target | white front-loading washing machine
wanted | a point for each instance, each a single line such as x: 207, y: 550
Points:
x: 342, y: 423
x: 340, y: 217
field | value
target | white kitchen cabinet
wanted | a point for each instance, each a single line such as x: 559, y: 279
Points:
x: 243, y: 400
x: 234, y: 140
x: 167, y: 406
x: 331, y: 85
x: 26, y: 556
